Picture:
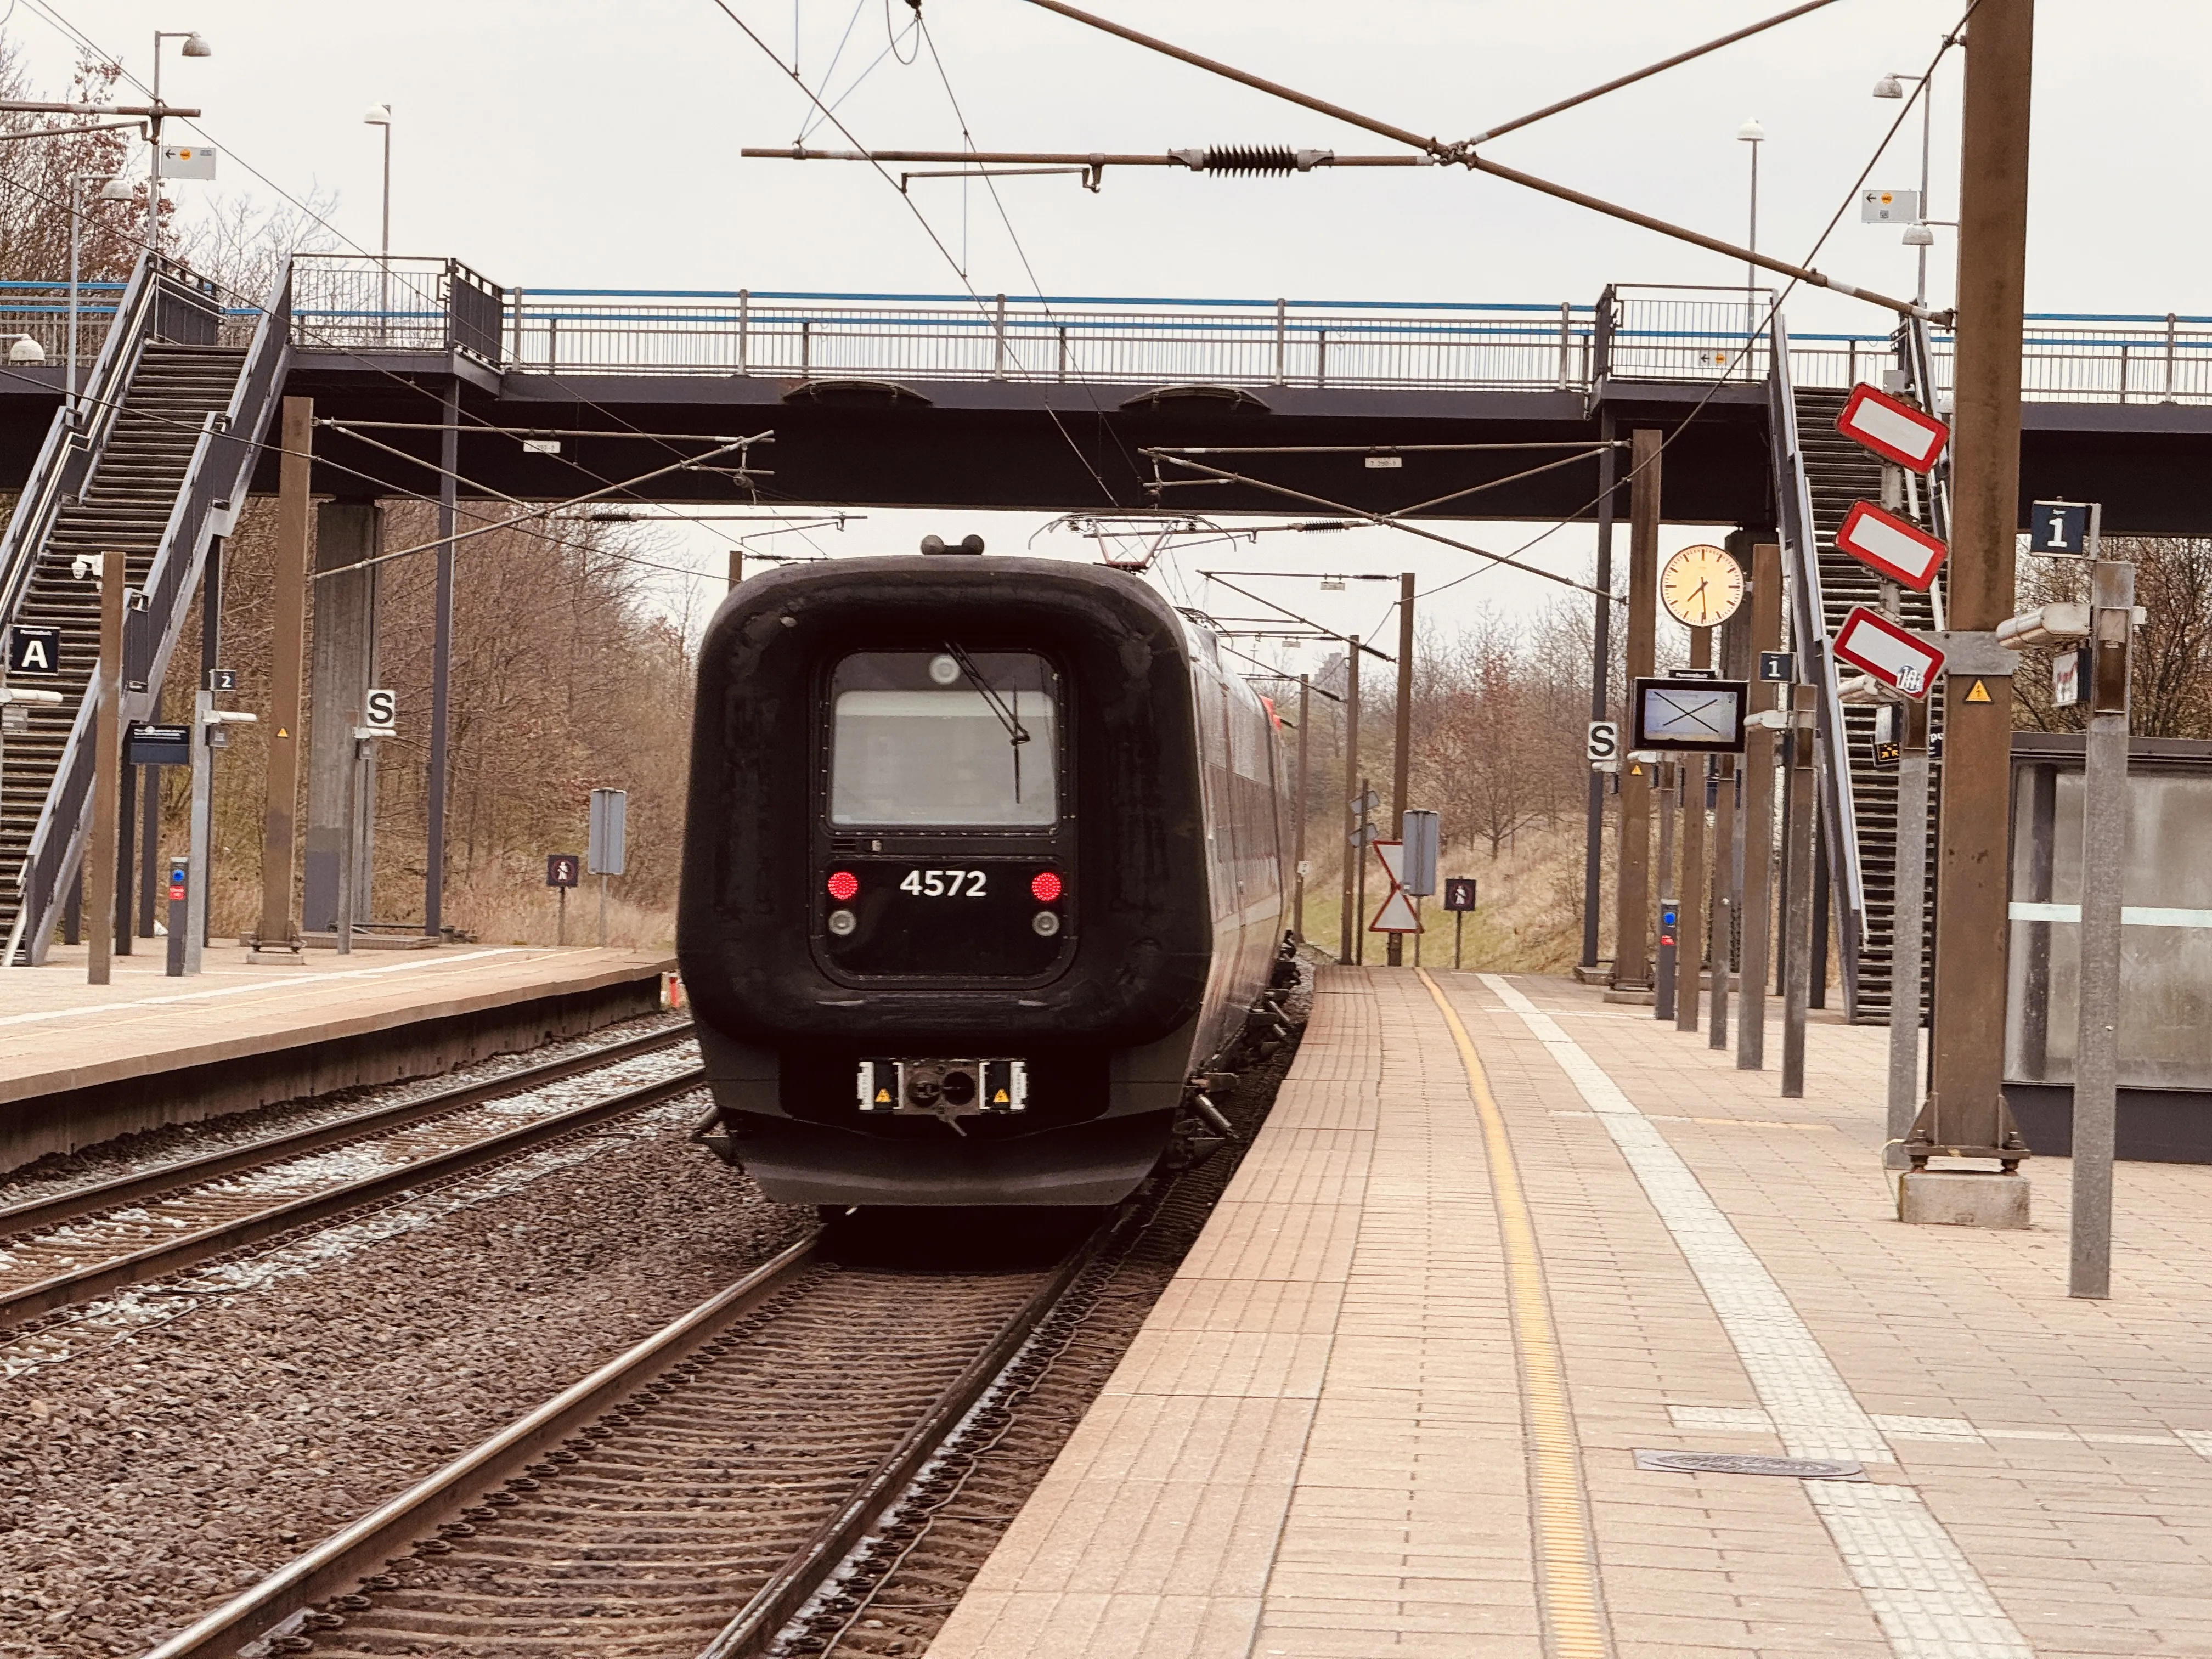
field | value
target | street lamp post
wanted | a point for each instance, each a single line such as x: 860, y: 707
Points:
x: 114, y: 190
x: 380, y: 115
x: 196, y: 46
x: 1754, y: 135
x: 1917, y: 234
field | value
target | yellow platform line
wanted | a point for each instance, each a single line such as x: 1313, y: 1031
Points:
x: 1573, y: 1606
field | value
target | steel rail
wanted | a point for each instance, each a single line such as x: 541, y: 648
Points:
x: 153, y: 1184
x: 279, y: 1603
x: 788, y: 1589
x: 331, y: 1565
x: 173, y: 1254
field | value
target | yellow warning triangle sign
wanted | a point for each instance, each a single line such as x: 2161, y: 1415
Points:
x: 283, y: 731
x: 882, y: 1094
x: 1977, y: 692
x: 1000, y: 1098
x: 1636, y: 771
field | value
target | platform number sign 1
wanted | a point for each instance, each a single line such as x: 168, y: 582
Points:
x: 2064, y: 530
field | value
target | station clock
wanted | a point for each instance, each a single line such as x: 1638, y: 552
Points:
x: 1701, y: 586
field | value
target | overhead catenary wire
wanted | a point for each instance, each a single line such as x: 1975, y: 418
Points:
x: 1306, y: 622
x: 922, y: 219
x: 1462, y: 154
x: 58, y: 19
x: 1376, y: 519
x: 1951, y: 38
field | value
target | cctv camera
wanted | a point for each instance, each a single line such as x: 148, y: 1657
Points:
x: 80, y: 567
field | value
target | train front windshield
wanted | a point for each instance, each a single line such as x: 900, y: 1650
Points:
x: 943, y: 740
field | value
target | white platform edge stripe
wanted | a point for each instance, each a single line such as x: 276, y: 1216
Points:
x: 295, y: 983
x: 1925, y: 1595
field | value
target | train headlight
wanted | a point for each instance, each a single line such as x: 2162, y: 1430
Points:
x: 842, y: 922
x: 943, y: 669
x: 1045, y: 886
x: 1046, y: 923
x: 843, y: 884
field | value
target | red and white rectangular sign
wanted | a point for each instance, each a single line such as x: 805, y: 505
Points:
x: 1893, y: 428
x: 1894, y: 655
x: 1901, y: 551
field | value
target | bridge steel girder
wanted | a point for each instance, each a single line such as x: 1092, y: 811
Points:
x: 1035, y: 446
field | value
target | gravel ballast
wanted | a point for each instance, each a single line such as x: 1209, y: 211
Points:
x: 154, y: 1463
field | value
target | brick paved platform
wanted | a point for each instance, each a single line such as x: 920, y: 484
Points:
x: 79, y: 1063
x: 1333, y: 1437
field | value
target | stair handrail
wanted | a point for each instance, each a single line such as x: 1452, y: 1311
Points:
x: 1920, y: 362
x: 71, y: 450
x: 216, y: 479
x: 1808, y: 628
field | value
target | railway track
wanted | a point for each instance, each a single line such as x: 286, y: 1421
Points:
x: 84, y: 1244
x: 732, y: 1485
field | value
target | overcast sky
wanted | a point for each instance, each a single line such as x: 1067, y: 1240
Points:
x: 564, y: 144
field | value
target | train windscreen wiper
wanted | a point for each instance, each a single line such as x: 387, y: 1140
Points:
x: 1017, y: 733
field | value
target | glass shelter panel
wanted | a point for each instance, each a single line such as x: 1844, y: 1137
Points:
x: 2166, y: 950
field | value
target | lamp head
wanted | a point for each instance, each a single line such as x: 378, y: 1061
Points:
x: 1751, y: 132
x: 1919, y: 236
x: 380, y: 115
x: 1888, y: 87
x: 196, y: 46
x: 116, y: 190
x: 26, y: 350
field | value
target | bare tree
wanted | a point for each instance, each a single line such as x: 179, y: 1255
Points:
x: 35, y: 175
x: 2171, y: 693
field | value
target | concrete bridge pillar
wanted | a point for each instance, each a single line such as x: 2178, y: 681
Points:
x: 342, y: 667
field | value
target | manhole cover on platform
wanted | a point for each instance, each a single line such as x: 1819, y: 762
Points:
x: 1799, y: 1469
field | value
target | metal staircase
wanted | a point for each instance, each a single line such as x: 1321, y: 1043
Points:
x: 1821, y: 473
x: 154, y: 464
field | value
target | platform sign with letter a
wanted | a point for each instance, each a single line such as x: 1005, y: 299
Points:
x: 1397, y: 914
x: 34, y: 650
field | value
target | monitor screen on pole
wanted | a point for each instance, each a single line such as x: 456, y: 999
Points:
x: 1689, y: 716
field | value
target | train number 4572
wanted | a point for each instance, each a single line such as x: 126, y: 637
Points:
x: 944, y: 883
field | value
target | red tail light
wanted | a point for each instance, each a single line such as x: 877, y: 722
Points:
x: 1044, y: 887
x: 843, y: 884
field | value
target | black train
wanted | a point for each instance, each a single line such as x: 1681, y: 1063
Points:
x: 984, y: 863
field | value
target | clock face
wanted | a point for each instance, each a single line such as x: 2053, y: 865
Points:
x: 1701, y: 586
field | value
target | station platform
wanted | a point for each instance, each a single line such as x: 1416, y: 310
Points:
x: 80, y: 1063
x: 1498, y: 1238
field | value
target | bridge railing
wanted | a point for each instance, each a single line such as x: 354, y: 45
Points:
x: 943, y: 337
x: 1633, y: 332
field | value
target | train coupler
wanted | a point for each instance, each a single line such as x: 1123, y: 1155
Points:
x: 943, y: 1087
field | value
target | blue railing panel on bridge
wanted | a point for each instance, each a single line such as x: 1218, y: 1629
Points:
x: 403, y: 305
